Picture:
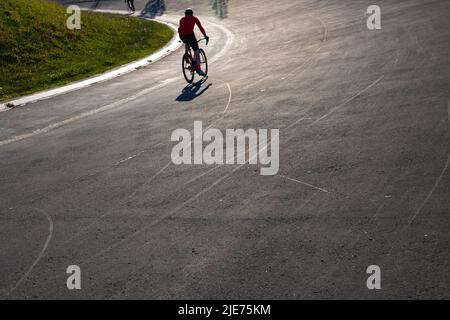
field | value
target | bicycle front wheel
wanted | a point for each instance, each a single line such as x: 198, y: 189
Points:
x: 203, y: 62
x: 188, y: 69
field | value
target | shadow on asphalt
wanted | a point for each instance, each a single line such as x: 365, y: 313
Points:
x: 192, y: 91
x: 153, y: 8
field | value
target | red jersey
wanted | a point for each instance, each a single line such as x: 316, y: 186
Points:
x: 187, y: 25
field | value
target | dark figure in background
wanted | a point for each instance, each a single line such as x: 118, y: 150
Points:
x: 130, y: 4
x: 154, y: 8
x: 221, y: 8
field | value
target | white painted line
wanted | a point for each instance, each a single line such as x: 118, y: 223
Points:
x: 228, y: 42
x: 173, y: 45
x: 229, y: 98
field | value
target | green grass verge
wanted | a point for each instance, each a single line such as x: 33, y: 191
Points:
x: 38, y: 52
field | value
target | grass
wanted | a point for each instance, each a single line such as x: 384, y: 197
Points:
x: 38, y: 52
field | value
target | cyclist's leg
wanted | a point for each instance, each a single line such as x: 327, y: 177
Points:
x: 197, y: 57
x: 194, y: 45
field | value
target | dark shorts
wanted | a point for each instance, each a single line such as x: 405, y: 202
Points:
x: 191, y: 40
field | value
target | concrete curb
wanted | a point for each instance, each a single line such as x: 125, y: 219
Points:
x: 173, y: 45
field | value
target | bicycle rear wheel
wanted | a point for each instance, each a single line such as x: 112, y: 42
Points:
x: 188, y: 69
x: 203, y: 62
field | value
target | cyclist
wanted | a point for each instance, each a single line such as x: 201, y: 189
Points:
x: 130, y: 4
x: 187, y: 35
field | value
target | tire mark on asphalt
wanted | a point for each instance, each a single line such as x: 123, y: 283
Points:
x: 165, y: 216
x: 347, y: 101
x: 438, y: 180
x: 176, y: 209
x: 109, y: 212
x: 201, y: 175
x: 168, y: 215
x: 131, y: 195
x: 375, y: 215
x: 303, y: 183
x: 136, y: 154
x: 398, y: 232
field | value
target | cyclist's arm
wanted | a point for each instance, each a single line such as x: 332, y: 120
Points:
x: 199, y: 25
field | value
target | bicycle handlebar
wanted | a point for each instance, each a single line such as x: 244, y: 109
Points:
x: 206, y: 39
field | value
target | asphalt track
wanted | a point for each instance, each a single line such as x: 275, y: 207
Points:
x: 364, y: 117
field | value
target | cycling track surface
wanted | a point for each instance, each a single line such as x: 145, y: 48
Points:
x: 364, y: 116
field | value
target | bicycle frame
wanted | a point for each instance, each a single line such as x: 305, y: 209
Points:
x: 189, y: 49
x: 189, y: 61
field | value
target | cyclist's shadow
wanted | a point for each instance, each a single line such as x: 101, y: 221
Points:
x: 193, y: 90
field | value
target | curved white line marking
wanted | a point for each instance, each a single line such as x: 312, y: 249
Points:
x: 17, y: 138
x: 304, y: 183
x: 229, y: 98
x: 228, y: 42
x: 224, y: 110
x: 44, y: 248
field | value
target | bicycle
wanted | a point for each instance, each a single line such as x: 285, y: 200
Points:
x: 188, y: 63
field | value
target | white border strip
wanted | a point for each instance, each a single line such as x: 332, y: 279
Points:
x: 173, y: 45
